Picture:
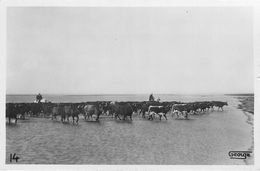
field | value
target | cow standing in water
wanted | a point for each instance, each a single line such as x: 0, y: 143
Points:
x: 24, y: 109
x: 71, y: 111
x: 57, y: 111
x: 35, y: 109
x: 107, y: 108
x: 47, y: 109
x: 180, y: 108
x: 160, y: 110
x: 90, y: 110
x: 218, y: 104
x: 123, y: 110
x: 11, y: 112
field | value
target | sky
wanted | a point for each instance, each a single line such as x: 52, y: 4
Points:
x: 129, y: 50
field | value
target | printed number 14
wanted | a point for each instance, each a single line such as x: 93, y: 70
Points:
x: 14, y: 157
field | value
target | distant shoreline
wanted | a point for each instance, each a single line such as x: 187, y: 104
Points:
x: 242, y: 94
x: 245, y: 94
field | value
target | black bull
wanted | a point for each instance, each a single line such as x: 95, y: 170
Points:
x: 70, y: 111
x: 123, y: 110
x: 11, y: 112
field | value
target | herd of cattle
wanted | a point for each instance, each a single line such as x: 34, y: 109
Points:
x: 119, y: 110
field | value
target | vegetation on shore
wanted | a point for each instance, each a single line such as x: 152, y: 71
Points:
x: 247, y: 104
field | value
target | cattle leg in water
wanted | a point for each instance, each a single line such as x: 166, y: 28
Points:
x: 165, y: 117
x: 221, y: 108
x: 97, y: 118
x: 63, y: 118
x: 150, y: 116
x: 173, y: 113
x: 87, y: 115
x: 76, y: 120
x: 163, y: 114
x: 143, y: 114
x: 116, y: 115
x: 186, y: 116
x: 129, y: 116
x: 10, y: 120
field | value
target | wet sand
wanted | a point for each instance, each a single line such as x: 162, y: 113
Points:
x: 247, y: 106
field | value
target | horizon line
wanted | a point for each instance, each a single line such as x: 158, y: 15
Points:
x: 130, y: 94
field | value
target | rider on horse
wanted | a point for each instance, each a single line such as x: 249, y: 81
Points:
x: 39, y: 98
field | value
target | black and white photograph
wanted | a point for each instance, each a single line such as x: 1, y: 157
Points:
x: 130, y: 84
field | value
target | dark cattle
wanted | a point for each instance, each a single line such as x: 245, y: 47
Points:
x: 144, y: 109
x: 160, y: 110
x: 57, y: 111
x: 11, y: 112
x: 107, y: 108
x: 204, y: 106
x: 71, y: 111
x: 35, y: 109
x: 23, y: 108
x: 90, y: 110
x: 80, y: 107
x: 192, y: 107
x: 75, y: 113
x: 185, y: 108
x: 219, y: 104
x: 201, y: 106
x: 137, y: 107
x: 123, y: 110
x: 47, y: 109
x: 210, y: 105
x: 176, y: 108
x: 67, y: 112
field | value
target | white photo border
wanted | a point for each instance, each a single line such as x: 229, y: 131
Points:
x: 131, y: 3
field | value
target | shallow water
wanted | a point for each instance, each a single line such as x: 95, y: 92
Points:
x: 203, y: 139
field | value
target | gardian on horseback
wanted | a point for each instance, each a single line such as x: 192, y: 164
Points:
x: 39, y: 98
